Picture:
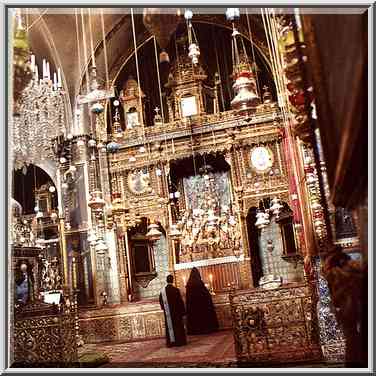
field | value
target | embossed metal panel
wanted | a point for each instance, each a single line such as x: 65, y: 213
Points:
x: 275, y: 325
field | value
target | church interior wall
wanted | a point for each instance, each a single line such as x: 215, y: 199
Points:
x: 165, y: 167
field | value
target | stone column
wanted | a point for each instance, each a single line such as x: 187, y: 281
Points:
x: 112, y: 273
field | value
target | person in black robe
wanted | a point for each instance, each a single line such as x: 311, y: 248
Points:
x: 201, y: 316
x: 24, y: 280
x: 173, y: 307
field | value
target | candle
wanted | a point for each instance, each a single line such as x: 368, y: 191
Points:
x: 32, y: 63
x: 44, y: 68
x: 184, y: 281
x: 55, y: 81
x: 211, y: 279
x: 36, y: 77
x: 92, y: 55
x: 48, y: 71
x: 59, y: 84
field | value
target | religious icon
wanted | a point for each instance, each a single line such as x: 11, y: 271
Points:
x: 261, y: 158
x: 132, y: 120
x: 138, y: 181
x: 188, y: 106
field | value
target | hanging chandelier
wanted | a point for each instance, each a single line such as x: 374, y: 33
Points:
x: 22, y: 69
x: 209, y: 226
x: 262, y: 219
x: 42, y: 103
x: 276, y: 207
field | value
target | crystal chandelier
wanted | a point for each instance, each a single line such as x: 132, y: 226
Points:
x: 21, y: 68
x: 262, y: 219
x: 40, y: 118
x: 210, y: 225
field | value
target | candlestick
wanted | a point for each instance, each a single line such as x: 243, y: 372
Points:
x: 44, y: 68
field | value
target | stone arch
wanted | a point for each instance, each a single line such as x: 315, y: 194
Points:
x: 23, y: 185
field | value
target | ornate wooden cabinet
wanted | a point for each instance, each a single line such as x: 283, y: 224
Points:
x: 44, y: 336
x: 275, y: 326
x: 41, y: 334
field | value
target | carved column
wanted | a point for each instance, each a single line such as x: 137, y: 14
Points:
x: 121, y: 258
x: 296, y: 191
x: 129, y: 265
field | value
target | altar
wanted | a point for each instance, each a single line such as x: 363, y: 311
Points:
x: 275, y: 326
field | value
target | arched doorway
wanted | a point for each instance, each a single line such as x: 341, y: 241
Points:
x: 253, y: 241
x: 149, y: 261
x: 26, y: 186
x: 272, y: 246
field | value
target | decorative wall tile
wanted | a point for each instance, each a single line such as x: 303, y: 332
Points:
x: 331, y: 335
x: 272, y: 261
x: 161, y: 267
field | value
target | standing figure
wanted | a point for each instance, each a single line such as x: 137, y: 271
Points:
x: 201, y: 316
x: 173, y: 307
x: 24, y: 283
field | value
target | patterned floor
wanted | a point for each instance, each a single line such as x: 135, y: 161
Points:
x: 213, y: 350
x: 206, y: 351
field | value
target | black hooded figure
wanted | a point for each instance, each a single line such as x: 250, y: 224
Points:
x: 201, y: 316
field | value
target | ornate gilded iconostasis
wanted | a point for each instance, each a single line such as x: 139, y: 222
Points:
x: 179, y: 155
x: 193, y: 158
x: 186, y: 140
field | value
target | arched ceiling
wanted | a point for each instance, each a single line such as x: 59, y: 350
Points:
x: 53, y: 35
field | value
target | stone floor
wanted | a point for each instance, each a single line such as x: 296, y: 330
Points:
x: 213, y: 350
x: 205, y: 351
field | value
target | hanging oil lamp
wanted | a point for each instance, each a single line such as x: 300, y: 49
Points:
x: 96, y: 201
x: 174, y: 233
x: 276, y: 207
x: 153, y: 234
